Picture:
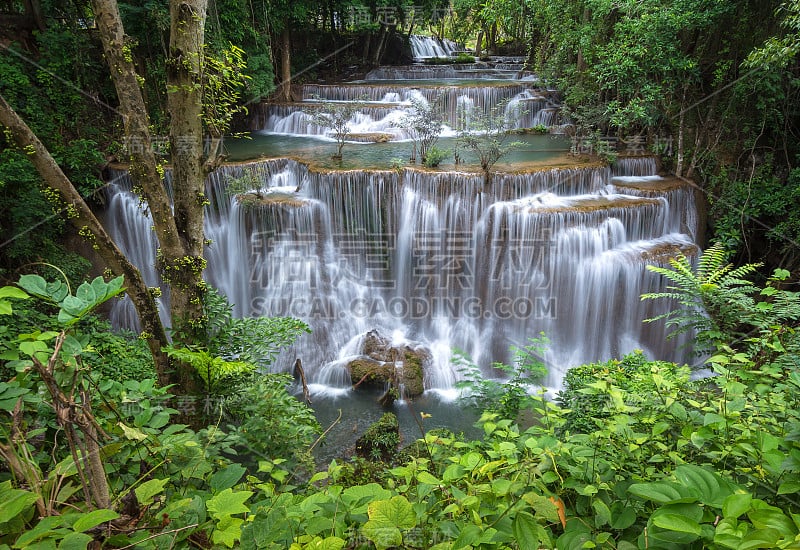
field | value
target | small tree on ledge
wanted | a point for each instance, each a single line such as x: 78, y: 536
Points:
x: 336, y: 118
x: 425, y: 124
x: 487, y: 134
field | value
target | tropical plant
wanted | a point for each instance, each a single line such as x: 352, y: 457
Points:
x: 335, y: 117
x: 713, y: 297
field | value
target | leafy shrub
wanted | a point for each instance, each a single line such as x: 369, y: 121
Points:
x: 503, y: 397
x: 434, y: 157
x: 633, y: 375
x: 380, y: 441
x: 270, y: 423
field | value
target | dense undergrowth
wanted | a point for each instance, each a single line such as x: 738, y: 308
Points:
x: 633, y: 454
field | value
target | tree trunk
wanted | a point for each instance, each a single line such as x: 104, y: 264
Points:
x: 286, y: 65
x: 681, y: 128
x: 479, y: 44
x: 384, y: 33
x: 184, y: 263
x: 180, y: 235
x: 82, y: 218
x: 367, y: 44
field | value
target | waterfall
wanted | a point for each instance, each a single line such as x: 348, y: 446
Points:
x: 430, y: 46
x: 433, y: 258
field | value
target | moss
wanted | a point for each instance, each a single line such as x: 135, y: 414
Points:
x: 381, y: 440
x: 412, y: 373
x: 370, y: 372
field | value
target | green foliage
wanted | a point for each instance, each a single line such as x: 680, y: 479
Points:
x: 224, y: 79
x: 380, y: 441
x: 271, y: 423
x: 508, y: 397
x: 434, y: 157
x: 461, y: 58
x: 762, y: 195
x: 212, y: 370
x: 714, y: 298
x: 424, y: 122
x: 633, y: 376
x: 336, y: 118
x: 256, y: 340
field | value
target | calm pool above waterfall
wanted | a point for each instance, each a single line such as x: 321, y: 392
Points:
x: 432, y: 260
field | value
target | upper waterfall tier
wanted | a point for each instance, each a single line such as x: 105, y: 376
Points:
x: 430, y: 46
x: 493, y: 71
x: 381, y: 108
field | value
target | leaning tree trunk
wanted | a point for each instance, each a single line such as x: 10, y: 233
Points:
x: 180, y: 235
x: 88, y: 226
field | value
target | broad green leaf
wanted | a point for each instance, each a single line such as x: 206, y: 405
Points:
x: 228, y: 531
x: 386, y: 518
x: 735, y: 505
x: 35, y: 284
x: 729, y: 533
x: 329, y: 543
x: 453, y: 472
x: 44, y: 528
x: 133, y: 434
x: 602, y: 512
x: 86, y: 293
x: 772, y: 518
x: 468, y: 536
x: 227, y: 478
x: 93, y: 519
x: 150, y: 488
x: 396, y: 511
x: 13, y: 292
x: 789, y: 487
x: 227, y: 503
x: 14, y: 501
x: 761, y: 538
x: 662, y: 492
x: 713, y: 491
x: 359, y: 495
x: 32, y: 347
x: 75, y: 541
x: 526, y: 531
x: 675, y: 522
x: 625, y: 519
x: 426, y: 477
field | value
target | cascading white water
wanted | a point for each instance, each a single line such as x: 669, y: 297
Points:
x: 430, y: 46
x: 431, y: 259
x: 435, y: 258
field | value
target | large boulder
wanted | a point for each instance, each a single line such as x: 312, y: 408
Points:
x: 377, y: 366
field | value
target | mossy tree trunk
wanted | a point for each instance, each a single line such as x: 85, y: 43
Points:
x: 180, y: 234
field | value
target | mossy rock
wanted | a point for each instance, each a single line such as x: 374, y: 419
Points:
x: 381, y: 440
x: 371, y: 373
x: 377, y: 368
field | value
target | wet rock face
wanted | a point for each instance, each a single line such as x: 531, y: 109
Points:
x: 377, y: 367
